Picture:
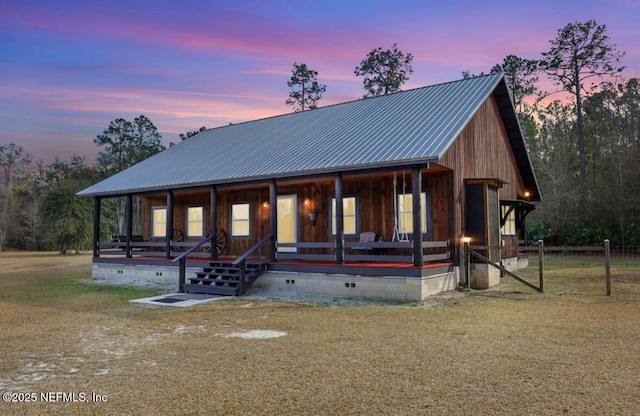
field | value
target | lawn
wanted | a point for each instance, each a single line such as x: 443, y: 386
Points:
x: 506, y: 351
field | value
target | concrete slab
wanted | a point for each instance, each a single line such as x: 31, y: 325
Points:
x: 179, y: 300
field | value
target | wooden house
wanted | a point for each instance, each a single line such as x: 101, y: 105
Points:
x: 366, y: 198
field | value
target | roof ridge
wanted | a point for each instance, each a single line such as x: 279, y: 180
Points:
x: 354, y: 101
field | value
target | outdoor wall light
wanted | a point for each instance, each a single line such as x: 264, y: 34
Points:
x: 465, y: 239
x: 525, y: 195
x: 313, y: 214
x: 265, y: 204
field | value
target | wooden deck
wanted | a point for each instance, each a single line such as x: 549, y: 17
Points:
x: 369, y: 268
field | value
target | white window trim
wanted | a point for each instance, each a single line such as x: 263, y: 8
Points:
x: 232, y: 221
x: 426, y: 212
x: 188, y: 222
x: 356, y: 216
x: 153, y: 222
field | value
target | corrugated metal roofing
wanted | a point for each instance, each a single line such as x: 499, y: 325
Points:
x: 408, y: 126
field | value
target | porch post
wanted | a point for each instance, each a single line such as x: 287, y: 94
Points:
x: 273, y: 218
x: 417, y: 217
x: 129, y: 224
x: 96, y: 226
x: 169, y: 225
x: 213, y: 218
x: 339, y: 221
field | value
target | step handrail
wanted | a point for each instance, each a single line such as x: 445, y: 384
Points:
x: 242, y: 262
x: 194, y: 248
x: 182, y: 259
x: 255, y: 247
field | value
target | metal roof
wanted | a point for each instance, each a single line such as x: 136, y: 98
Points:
x: 411, y: 126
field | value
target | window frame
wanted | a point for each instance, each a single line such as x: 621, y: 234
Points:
x: 247, y: 220
x: 188, y: 222
x: 427, y: 224
x: 509, y: 221
x: 153, y: 221
x: 356, y: 216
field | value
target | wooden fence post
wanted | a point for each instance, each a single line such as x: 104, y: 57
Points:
x: 541, y: 264
x: 607, y: 262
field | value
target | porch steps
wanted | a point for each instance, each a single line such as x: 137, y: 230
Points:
x: 222, y: 278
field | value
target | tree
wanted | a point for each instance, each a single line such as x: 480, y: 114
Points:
x: 384, y: 71
x: 29, y: 194
x: 611, y: 124
x: 521, y: 77
x: 554, y: 159
x: 185, y: 136
x: 581, y: 51
x: 125, y: 144
x: 305, y: 89
x: 68, y: 219
x: 13, y: 159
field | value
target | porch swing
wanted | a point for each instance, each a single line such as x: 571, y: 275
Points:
x: 399, y: 231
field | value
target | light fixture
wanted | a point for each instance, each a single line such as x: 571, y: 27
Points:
x: 313, y: 214
x: 307, y: 202
x: 466, y: 239
x: 265, y: 204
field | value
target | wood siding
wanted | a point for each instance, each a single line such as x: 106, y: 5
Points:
x: 482, y: 151
x: 374, y: 195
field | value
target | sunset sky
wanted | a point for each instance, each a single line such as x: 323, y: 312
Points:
x: 69, y: 67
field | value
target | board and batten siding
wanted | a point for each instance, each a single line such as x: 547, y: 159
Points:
x: 482, y: 150
x: 374, y: 194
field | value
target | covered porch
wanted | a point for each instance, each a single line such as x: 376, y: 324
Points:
x: 387, y: 223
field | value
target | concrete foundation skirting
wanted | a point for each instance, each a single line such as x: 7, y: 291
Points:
x: 163, y: 277
x: 380, y: 287
x: 484, y: 276
x: 339, y: 285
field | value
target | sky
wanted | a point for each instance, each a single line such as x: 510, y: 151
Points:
x: 70, y: 67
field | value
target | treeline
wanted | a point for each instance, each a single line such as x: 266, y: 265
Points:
x: 40, y: 210
x: 583, y: 138
x: 584, y: 142
x: 584, y: 204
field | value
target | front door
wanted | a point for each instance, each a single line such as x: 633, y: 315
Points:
x: 287, y: 221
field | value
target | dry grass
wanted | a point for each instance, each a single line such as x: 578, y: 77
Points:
x: 512, y: 351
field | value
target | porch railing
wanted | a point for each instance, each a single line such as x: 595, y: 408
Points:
x: 380, y: 251
x: 293, y: 251
x: 153, y: 248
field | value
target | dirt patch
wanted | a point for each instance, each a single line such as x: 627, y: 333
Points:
x: 255, y: 334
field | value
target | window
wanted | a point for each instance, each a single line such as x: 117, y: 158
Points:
x: 159, y: 222
x: 405, y: 212
x: 349, y: 215
x: 195, y: 221
x: 241, y: 220
x: 509, y: 216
